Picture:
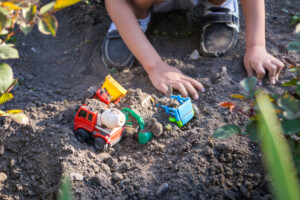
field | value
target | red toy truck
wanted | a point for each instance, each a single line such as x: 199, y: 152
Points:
x: 110, y: 91
x: 93, y: 126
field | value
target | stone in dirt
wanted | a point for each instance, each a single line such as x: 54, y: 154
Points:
x: 3, y: 177
x: 76, y: 176
x: 117, y: 177
x: 162, y: 189
x: 157, y: 129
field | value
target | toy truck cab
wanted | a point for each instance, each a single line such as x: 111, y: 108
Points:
x: 87, y: 127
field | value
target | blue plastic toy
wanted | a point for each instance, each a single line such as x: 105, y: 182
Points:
x: 183, y: 113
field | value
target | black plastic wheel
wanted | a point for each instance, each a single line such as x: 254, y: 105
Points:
x: 89, y: 93
x: 82, y: 135
x: 100, y: 144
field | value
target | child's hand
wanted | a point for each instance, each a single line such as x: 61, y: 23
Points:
x: 163, y: 75
x: 258, y: 60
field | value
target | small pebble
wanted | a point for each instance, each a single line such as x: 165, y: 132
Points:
x: 162, y: 189
x: 195, y: 55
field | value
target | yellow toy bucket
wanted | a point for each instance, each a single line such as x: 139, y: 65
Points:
x: 113, y: 88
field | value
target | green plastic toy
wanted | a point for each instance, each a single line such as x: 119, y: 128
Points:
x: 143, y: 137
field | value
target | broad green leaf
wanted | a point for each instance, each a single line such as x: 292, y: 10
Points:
x: 249, y: 84
x: 251, y: 130
x: 3, y: 18
x: 6, y: 77
x: 290, y: 127
x: 48, y: 25
x: 291, y: 82
x: 15, y: 81
x: 238, y: 96
x: 5, y: 97
x: 277, y: 154
x: 10, y: 5
x: 20, y: 118
x: 47, y: 8
x: 227, y: 131
x: 290, y: 106
x: 14, y: 111
x: 298, y: 89
x: 59, y: 4
x: 8, y: 52
x: 29, y: 12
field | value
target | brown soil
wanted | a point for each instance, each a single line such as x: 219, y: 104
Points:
x: 55, y: 72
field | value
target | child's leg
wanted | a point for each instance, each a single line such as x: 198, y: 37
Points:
x: 115, y: 52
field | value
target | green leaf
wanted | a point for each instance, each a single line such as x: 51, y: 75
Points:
x: 5, y: 97
x: 6, y: 77
x: 251, y: 130
x: 249, y: 84
x: 65, y: 190
x: 60, y: 4
x: 26, y: 29
x: 3, y: 18
x: 47, y: 8
x: 29, y: 12
x: 48, y: 25
x: 20, y: 118
x: 294, y: 46
x: 227, y: 131
x: 298, y: 88
x: 276, y: 153
x: 291, y: 82
x: 290, y: 127
x: 8, y: 52
x: 290, y: 106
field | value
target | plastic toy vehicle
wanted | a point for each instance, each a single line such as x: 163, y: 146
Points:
x: 183, y: 113
x: 111, y: 91
x: 104, y: 129
x: 135, y: 124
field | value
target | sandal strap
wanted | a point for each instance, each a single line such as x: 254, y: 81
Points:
x: 113, y: 34
x: 219, y: 18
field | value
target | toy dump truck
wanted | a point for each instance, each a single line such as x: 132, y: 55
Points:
x: 104, y: 129
x: 183, y: 113
x: 111, y: 91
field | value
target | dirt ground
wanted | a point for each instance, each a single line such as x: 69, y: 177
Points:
x: 54, y: 73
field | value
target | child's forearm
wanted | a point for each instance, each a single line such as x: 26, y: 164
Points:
x: 254, y: 12
x: 132, y: 34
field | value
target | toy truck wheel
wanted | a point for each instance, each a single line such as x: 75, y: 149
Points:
x: 82, y: 135
x: 100, y: 144
x: 89, y: 93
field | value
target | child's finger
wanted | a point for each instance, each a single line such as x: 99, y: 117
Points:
x: 190, y: 88
x: 260, y: 72
x: 280, y: 66
x: 271, y: 71
x: 163, y: 88
x: 180, y: 87
x: 195, y: 83
x: 249, y: 70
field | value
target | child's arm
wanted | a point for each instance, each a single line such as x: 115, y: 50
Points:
x: 257, y: 59
x: 160, y: 73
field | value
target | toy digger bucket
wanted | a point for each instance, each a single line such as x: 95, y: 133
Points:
x: 113, y: 88
x: 145, y: 137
